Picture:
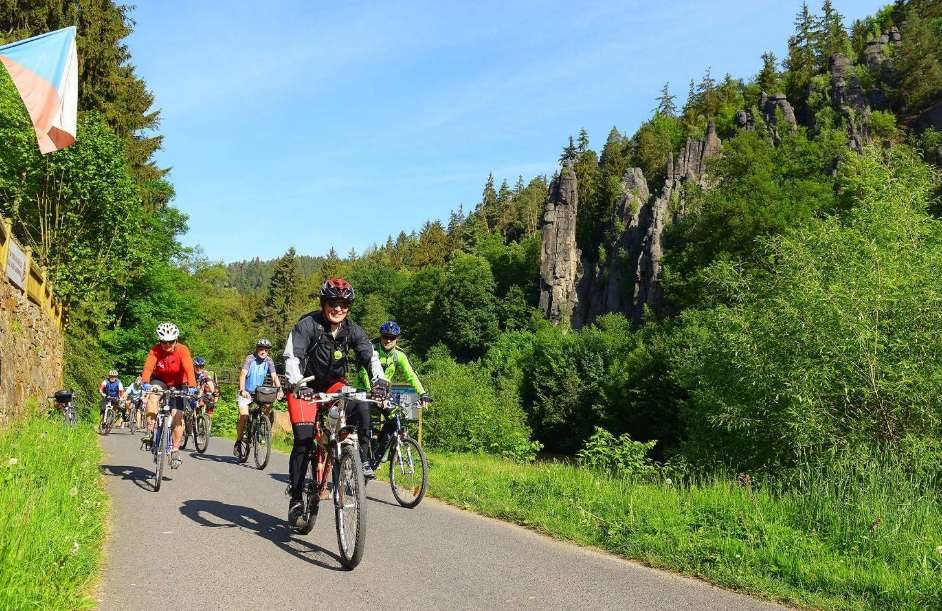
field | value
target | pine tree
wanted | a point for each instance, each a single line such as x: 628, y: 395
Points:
x: 488, y: 206
x: 706, y: 93
x: 665, y: 102
x: 800, y: 63
x: 829, y: 36
x: 281, y: 298
x: 569, y: 152
x: 582, y: 144
x: 768, y: 77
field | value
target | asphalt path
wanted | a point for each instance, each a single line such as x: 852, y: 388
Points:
x: 215, y: 537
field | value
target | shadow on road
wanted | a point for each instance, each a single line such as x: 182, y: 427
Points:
x: 214, y: 457
x: 279, y: 477
x: 385, y: 502
x: 216, y: 514
x: 139, y: 475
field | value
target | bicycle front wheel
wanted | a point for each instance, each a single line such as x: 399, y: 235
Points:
x: 262, y: 442
x: 408, y: 472
x: 201, y: 438
x: 350, y: 506
x: 133, y: 420
x: 246, y: 442
x: 160, y: 453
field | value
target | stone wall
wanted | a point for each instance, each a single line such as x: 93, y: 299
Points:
x: 30, y: 351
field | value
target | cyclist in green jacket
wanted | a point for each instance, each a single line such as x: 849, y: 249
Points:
x: 392, y: 360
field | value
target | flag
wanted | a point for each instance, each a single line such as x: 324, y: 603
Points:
x: 44, y: 69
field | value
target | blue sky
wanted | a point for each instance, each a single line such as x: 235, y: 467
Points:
x: 316, y: 124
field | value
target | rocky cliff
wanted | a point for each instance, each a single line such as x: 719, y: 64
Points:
x: 559, y: 257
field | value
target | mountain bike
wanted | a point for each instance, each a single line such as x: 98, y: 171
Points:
x: 161, y: 442
x: 257, y: 432
x: 63, y: 400
x: 335, y: 450
x: 106, y: 421
x: 408, y: 466
x: 195, y: 423
x: 135, y: 414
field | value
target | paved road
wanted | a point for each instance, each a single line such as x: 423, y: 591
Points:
x: 214, y: 537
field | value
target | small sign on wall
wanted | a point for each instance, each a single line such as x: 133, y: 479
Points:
x: 16, y: 265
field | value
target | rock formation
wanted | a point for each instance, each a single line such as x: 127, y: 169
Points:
x: 559, y: 256
x: 850, y: 102
x: 775, y: 109
x: 629, y: 277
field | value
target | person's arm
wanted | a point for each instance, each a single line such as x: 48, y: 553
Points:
x: 149, y: 363
x: 101, y: 387
x: 276, y: 382
x: 366, y: 356
x: 243, y: 373
x: 121, y: 389
x: 409, y: 372
x: 296, y: 348
x: 188, y: 370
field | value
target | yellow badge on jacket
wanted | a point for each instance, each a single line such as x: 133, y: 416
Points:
x: 338, y: 355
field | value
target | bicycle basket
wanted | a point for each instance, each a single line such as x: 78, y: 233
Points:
x: 265, y: 394
x: 63, y: 396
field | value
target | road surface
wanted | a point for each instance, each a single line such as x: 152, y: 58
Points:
x: 214, y: 537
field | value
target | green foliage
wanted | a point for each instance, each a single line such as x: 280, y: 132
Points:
x: 883, y: 125
x: 652, y: 143
x: 918, y: 62
x: 281, y: 301
x: 53, y: 513
x: 831, y: 343
x: 470, y: 415
x: 466, y: 305
x: 618, y: 456
x: 761, y: 189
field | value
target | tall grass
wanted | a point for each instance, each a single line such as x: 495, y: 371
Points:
x: 848, y: 537
x: 52, y: 515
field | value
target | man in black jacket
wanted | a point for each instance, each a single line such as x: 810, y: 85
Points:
x: 318, y: 346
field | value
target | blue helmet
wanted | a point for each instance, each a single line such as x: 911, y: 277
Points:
x: 390, y: 327
x: 199, y: 361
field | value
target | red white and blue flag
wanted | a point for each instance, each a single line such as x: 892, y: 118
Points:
x: 44, y: 69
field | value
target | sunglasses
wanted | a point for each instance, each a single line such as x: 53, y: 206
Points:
x: 338, y: 305
x: 390, y: 338
x: 170, y: 343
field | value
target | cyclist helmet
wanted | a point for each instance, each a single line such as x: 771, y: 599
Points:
x: 263, y: 343
x: 199, y: 361
x: 167, y: 332
x: 390, y: 327
x: 337, y: 288
x: 113, y: 373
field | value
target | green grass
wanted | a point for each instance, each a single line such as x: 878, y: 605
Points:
x: 52, y: 515
x: 815, y: 548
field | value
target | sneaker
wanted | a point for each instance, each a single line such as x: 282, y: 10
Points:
x: 368, y: 472
x: 295, y: 509
x: 175, y: 459
x: 237, y: 449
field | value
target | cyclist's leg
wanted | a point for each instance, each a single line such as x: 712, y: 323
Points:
x: 385, y: 436
x: 243, y: 404
x: 179, y: 408
x: 358, y: 415
x: 298, y: 461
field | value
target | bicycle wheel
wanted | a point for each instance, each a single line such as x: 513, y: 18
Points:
x: 262, y: 442
x: 408, y: 472
x: 160, y: 453
x: 350, y: 506
x: 104, y: 425
x: 312, y: 499
x: 201, y: 439
x: 132, y: 425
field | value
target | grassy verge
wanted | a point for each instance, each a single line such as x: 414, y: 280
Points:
x: 52, y: 515
x: 819, y: 548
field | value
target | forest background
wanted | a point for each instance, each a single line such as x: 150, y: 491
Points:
x: 801, y: 329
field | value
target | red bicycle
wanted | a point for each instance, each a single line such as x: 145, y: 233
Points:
x: 335, y: 451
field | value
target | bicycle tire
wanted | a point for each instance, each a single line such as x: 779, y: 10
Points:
x: 406, y: 458
x: 161, y: 454
x: 104, y: 424
x: 201, y: 438
x: 262, y: 442
x: 133, y: 423
x: 350, y: 487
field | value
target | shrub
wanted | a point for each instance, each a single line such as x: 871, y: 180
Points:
x: 619, y: 456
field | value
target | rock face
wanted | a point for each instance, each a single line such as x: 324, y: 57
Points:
x: 849, y: 100
x: 559, y: 257
x: 778, y: 113
x: 628, y: 279
x: 30, y: 352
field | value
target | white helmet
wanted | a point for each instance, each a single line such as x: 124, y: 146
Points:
x: 113, y: 373
x: 167, y: 332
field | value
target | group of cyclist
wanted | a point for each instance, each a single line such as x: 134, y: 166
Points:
x: 319, y: 345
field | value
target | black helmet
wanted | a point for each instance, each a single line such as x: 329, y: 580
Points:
x: 337, y: 288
